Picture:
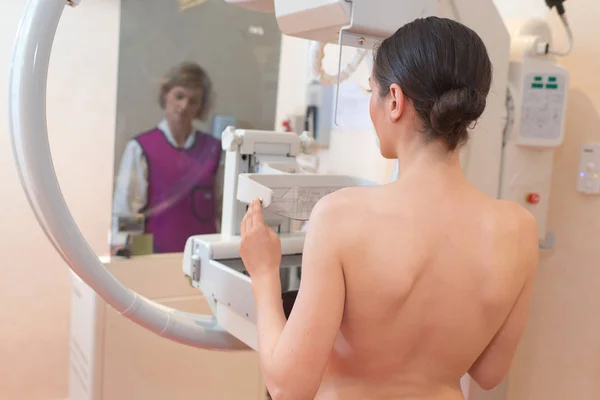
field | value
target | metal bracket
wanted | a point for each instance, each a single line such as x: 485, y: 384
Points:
x: 358, y: 41
x: 196, y: 268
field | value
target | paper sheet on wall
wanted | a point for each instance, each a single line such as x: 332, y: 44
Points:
x: 353, y: 108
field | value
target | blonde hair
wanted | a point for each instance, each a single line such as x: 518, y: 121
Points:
x: 188, y: 75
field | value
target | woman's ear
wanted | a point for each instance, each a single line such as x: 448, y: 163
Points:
x: 396, y: 102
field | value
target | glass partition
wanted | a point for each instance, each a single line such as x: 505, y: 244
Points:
x: 185, y: 73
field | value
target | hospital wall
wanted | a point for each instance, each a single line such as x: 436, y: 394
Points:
x: 559, y: 355
x: 34, y: 281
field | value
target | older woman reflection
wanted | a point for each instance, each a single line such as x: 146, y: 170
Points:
x: 169, y: 174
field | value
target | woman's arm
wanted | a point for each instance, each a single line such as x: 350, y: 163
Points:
x: 131, y: 187
x: 294, y: 355
x: 490, y: 369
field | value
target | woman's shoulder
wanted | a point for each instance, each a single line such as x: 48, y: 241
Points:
x: 344, y: 203
x: 146, y: 132
x: 515, y: 221
x: 135, y: 140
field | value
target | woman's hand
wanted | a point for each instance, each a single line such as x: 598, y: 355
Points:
x: 260, y: 248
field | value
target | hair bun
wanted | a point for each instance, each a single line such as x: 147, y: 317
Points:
x: 454, y: 111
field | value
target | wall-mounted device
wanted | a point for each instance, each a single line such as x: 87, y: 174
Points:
x: 589, y: 169
x: 320, y: 101
x: 220, y: 122
x: 536, y: 104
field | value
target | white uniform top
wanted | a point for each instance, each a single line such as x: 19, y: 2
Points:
x: 131, y: 188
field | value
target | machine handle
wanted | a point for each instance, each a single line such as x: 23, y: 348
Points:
x: 31, y: 150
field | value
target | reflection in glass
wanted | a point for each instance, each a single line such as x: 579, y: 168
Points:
x: 183, y: 77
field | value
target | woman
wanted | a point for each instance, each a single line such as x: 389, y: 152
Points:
x: 408, y: 286
x: 169, y: 173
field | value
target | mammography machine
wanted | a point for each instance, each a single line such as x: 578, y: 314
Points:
x: 509, y: 156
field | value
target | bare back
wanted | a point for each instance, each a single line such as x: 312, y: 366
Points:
x: 431, y: 277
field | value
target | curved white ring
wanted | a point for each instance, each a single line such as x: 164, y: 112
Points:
x: 317, y: 54
x: 31, y: 150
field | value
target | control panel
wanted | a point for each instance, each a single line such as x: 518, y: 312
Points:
x: 589, y: 169
x: 542, y: 115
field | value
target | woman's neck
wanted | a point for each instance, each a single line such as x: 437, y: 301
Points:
x: 419, y: 159
x: 180, y: 132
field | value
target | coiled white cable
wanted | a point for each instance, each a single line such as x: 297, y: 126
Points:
x: 317, y: 55
x: 569, y: 38
x: 545, y: 48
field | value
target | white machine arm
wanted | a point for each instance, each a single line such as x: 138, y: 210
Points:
x: 29, y: 70
x: 357, y: 23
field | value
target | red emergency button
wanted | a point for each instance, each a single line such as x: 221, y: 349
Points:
x: 533, y: 198
x: 287, y: 125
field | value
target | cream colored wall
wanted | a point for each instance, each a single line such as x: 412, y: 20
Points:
x: 34, y: 281
x: 559, y: 356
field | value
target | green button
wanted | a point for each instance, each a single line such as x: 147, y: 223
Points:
x: 552, y: 79
x: 537, y: 85
x: 538, y: 78
x: 549, y: 86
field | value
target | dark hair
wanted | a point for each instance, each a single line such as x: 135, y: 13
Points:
x: 444, y: 69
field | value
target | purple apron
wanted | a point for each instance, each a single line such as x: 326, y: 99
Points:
x: 181, y: 189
